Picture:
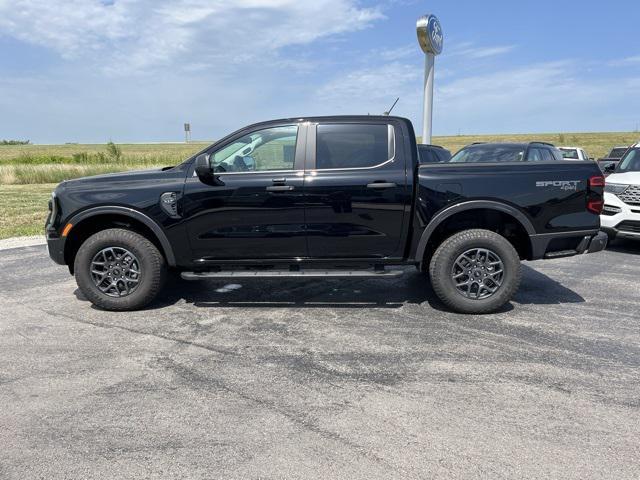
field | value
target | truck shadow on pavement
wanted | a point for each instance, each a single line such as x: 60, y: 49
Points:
x: 623, y: 245
x: 413, y: 288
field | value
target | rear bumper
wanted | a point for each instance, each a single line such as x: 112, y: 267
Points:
x: 559, y: 245
x: 598, y: 243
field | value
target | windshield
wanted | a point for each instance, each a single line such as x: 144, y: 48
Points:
x: 570, y: 153
x: 630, y: 162
x: 489, y: 153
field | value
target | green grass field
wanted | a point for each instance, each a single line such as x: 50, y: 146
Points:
x: 23, y: 209
x: 28, y: 173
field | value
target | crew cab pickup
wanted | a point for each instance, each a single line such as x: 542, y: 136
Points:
x: 342, y: 196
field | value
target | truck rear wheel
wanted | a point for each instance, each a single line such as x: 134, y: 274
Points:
x: 475, y: 271
x: 119, y: 270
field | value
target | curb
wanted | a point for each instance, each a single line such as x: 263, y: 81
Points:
x: 18, y: 242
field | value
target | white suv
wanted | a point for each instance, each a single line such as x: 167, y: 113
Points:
x: 621, y: 214
x: 573, y: 153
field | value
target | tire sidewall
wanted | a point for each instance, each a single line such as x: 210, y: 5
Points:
x: 138, y: 246
x: 455, y: 246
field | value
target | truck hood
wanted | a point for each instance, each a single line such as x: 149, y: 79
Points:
x: 131, y: 175
x: 628, y: 178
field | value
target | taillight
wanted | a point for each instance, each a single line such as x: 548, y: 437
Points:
x: 596, y: 205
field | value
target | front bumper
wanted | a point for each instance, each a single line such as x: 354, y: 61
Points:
x: 55, y: 246
x: 625, y: 223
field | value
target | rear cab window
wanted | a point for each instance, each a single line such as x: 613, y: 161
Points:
x: 570, y: 153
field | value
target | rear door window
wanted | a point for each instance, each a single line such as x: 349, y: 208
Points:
x: 341, y: 146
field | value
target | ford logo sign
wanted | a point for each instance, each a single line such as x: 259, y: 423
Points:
x: 430, y: 34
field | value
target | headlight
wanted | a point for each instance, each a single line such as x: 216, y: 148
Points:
x: 615, y: 188
x: 53, y: 210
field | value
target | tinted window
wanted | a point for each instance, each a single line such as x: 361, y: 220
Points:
x: 534, y: 155
x: 557, y: 154
x: 427, y: 155
x: 546, y: 155
x: 617, y: 152
x: 489, y: 153
x: 442, y: 154
x: 264, y: 150
x: 352, y: 146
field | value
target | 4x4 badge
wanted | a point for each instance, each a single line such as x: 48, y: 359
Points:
x: 562, y: 184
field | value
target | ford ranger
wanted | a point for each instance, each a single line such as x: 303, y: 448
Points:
x: 342, y: 196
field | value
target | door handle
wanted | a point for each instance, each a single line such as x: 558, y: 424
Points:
x: 280, y: 188
x: 279, y: 180
x: 381, y: 185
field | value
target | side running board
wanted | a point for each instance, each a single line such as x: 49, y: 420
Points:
x: 292, y: 274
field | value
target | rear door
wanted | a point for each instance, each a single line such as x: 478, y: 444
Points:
x: 356, y: 190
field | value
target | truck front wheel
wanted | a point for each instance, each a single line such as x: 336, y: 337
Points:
x: 119, y: 270
x: 475, y: 271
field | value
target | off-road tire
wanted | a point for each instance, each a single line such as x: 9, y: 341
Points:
x: 152, y: 265
x: 446, y: 254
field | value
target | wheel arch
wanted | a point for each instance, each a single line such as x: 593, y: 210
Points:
x: 448, y: 214
x: 88, y: 222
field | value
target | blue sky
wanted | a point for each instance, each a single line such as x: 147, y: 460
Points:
x: 135, y: 70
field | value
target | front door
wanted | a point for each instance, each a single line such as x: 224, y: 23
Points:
x: 357, y: 192
x: 257, y: 210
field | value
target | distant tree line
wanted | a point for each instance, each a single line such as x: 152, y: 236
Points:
x: 14, y: 142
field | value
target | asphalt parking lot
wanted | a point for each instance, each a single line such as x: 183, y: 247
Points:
x: 323, y: 379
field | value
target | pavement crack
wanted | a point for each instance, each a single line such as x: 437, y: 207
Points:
x: 221, y: 351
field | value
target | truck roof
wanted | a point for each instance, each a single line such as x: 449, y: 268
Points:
x: 514, y: 144
x: 332, y: 118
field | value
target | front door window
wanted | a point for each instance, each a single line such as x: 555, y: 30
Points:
x: 260, y: 151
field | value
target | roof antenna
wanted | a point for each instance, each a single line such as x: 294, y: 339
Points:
x: 392, y: 106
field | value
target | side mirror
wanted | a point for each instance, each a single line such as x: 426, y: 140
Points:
x: 609, y: 167
x: 203, y: 167
x: 205, y: 172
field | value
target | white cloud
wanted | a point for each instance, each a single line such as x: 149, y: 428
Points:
x: 471, y: 50
x: 551, y: 96
x: 370, y: 90
x: 398, y: 53
x: 625, y: 62
x: 137, y: 35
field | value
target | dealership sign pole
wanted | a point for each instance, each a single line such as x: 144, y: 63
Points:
x: 431, y: 40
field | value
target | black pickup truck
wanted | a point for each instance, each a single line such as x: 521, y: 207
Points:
x: 323, y: 197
